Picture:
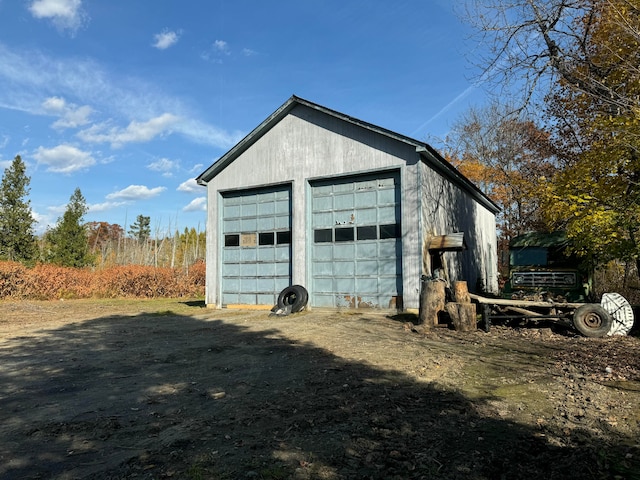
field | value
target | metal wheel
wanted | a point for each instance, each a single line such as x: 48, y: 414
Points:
x: 592, y: 320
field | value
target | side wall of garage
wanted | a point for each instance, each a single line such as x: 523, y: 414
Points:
x: 446, y: 208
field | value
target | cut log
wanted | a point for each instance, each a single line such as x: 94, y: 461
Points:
x: 432, y: 299
x: 461, y: 292
x: 463, y: 316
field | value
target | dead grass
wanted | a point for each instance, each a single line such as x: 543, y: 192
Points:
x: 167, y: 388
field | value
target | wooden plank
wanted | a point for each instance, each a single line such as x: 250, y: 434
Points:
x: 522, y: 303
x: 524, y: 311
x: 245, y: 306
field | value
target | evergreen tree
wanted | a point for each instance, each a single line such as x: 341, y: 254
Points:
x: 141, y: 229
x: 68, y: 239
x: 17, y: 239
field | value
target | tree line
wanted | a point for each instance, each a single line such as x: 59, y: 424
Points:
x: 72, y: 242
x: 558, y: 145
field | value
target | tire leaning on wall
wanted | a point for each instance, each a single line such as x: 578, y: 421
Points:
x: 295, y: 297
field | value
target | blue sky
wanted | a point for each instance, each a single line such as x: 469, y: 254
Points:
x: 131, y: 100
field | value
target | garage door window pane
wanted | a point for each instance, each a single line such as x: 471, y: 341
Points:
x: 284, y: 237
x: 267, y: 238
x: 367, y: 233
x: 344, y: 234
x: 232, y: 240
x: 390, y: 231
x: 322, y: 235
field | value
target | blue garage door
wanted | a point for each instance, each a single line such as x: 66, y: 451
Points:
x: 256, y: 250
x: 356, y: 252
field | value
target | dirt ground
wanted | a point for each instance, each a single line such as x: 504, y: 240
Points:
x: 169, y: 389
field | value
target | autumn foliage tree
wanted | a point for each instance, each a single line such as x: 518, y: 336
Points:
x: 103, y: 239
x: 580, y: 59
x: 191, y: 246
x: 100, y: 234
x: 596, y: 196
x: 533, y: 45
x: 505, y: 154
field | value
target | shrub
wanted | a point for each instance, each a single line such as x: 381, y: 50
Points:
x: 12, y: 279
x: 138, y: 281
x: 51, y: 282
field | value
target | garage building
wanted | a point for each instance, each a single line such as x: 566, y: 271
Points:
x: 355, y: 213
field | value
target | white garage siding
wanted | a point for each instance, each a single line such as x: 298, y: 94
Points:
x: 447, y: 208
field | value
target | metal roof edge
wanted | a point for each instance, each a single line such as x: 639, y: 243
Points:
x: 361, y: 123
x: 246, y: 142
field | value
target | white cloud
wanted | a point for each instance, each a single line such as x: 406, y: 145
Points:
x: 42, y: 222
x: 104, y: 206
x: 221, y: 46
x: 71, y: 116
x: 26, y: 77
x: 196, y: 205
x: 216, y: 51
x: 56, y: 210
x: 247, y: 52
x: 190, y: 186
x: 74, y: 117
x: 65, y: 14
x: 135, y: 132
x: 64, y: 158
x: 54, y: 104
x: 166, y: 39
x: 162, y: 165
x: 136, y: 192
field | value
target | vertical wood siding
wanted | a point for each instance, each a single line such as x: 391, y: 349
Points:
x: 446, y: 209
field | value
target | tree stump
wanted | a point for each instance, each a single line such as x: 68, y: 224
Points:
x: 463, y: 316
x: 461, y: 292
x: 432, y: 299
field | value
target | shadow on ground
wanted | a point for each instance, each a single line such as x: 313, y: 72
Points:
x: 180, y: 397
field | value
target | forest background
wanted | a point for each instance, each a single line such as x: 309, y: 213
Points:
x: 556, y: 148
x: 75, y: 259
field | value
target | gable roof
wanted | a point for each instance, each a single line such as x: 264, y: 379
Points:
x: 427, y: 153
